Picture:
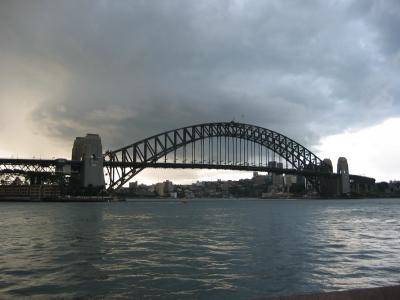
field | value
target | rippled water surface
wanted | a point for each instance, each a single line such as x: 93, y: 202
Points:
x: 220, y: 249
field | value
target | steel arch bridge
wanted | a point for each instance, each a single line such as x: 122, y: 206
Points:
x: 221, y: 145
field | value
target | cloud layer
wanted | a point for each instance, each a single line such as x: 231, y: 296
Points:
x: 129, y: 69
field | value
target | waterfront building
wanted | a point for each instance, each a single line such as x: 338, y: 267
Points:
x: 133, y: 185
x: 164, y: 188
x: 288, y: 181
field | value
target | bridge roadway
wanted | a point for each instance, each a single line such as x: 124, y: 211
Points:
x: 23, y: 166
x: 166, y: 165
x: 20, y: 166
x: 38, y: 162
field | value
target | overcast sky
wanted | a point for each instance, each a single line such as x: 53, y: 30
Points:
x: 326, y: 73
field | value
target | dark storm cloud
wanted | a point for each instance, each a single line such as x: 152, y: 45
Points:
x: 385, y: 17
x: 135, y: 68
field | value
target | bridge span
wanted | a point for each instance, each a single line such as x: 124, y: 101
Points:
x: 221, y: 145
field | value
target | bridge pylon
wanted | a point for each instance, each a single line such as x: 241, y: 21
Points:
x: 88, y: 150
x: 344, y: 176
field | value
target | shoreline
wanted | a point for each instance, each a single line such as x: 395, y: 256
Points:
x: 77, y: 199
x: 62, y: 199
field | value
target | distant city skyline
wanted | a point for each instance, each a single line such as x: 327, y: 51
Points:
x: 325, y: 73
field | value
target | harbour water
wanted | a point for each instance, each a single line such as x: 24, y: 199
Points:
x: 204, y: 249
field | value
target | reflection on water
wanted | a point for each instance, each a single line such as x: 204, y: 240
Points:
x: 204, y: 249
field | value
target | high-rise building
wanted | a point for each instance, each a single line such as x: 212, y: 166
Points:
x: 164, y: 188
x: 277, y: 179
x: 289, y: 180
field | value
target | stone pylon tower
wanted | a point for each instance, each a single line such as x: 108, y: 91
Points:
x: 344, y: 177
x: 327, y: 165
x: 88, y: 149
x: 328, y: 184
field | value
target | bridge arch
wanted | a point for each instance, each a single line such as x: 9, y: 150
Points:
x: 126, y: 162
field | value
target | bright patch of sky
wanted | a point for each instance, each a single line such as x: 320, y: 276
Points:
x: 372, y: 151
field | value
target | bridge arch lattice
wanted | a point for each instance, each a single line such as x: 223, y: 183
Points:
x: 124, y: 163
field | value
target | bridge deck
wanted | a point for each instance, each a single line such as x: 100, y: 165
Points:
x: 166, y: 165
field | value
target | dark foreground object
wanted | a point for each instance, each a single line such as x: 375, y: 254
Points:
x: 384, y: 293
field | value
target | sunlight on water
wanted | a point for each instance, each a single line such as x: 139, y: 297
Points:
x: 222, y: 249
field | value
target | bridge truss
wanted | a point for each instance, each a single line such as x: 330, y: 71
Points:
x: 223, y: 145
x: 34, y: 170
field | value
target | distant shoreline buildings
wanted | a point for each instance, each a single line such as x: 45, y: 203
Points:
x: 259, y: 186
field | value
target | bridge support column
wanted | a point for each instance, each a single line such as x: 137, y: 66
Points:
x: 328, y: 184
x: 344, y: 176
x: 88, y: 149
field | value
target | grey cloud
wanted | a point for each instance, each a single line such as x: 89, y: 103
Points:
x: 384, y: 18
x: 135, y: 68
